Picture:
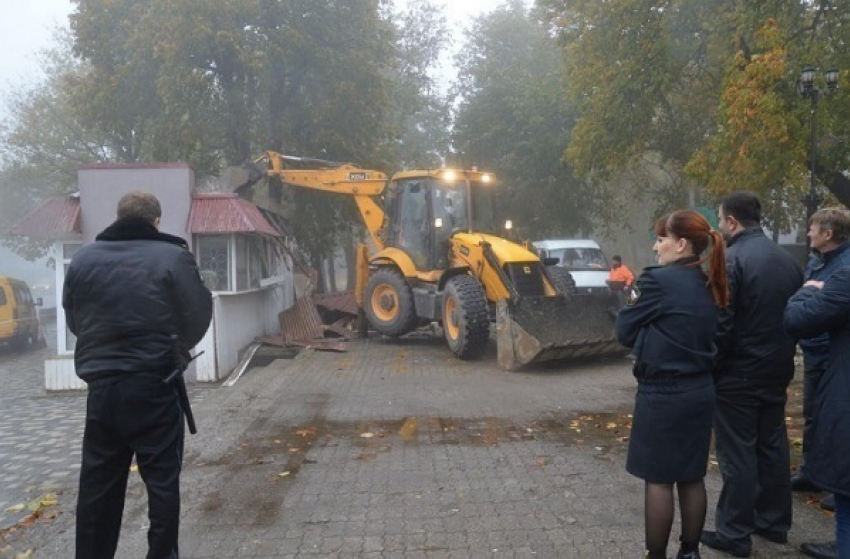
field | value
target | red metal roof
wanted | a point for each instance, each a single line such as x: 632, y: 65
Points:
x: 227, y: 213
x: 210, y: 213
x: 301, y: 322
x: 55, y: 217
x: 343, y: 301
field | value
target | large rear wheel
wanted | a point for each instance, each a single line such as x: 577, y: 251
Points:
x: 389, y: 303
x: 465, y: 319
x: 562, y: 279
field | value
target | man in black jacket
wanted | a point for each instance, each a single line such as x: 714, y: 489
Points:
x: 127, y: 297
x: 755, y: 364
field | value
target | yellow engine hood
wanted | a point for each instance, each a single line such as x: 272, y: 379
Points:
x: 505, y: 250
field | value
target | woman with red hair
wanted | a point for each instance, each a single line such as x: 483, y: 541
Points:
x: 669, y: 322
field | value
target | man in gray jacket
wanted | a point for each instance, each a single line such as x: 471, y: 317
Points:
x: 135, y: 301
x: 754, y: 366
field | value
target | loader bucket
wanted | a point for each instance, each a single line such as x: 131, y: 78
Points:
x: 537, y: 329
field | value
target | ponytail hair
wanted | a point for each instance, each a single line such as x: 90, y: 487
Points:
x: 707, y: 245
x: 717, y: 279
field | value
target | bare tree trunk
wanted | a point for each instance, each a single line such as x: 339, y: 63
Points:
x: 331, y: 273
x: 350, y: 250
x: 321, y: 275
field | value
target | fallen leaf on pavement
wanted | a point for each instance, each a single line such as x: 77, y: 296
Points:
x: 48, y: 500
x: 409, y: 428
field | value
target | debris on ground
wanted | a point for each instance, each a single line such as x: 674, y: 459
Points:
x: 319, y: 321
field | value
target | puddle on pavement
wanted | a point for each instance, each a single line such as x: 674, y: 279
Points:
x: 288, y: 448
x: 282, y: 452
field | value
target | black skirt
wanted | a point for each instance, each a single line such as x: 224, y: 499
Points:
x: 671, y: 429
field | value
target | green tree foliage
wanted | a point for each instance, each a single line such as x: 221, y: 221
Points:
x: 42, y: 144
x: 513, y: 119
x: 707, y: 85
x: 217, y: 82
x: 420, y: 112
x: 759, y: 144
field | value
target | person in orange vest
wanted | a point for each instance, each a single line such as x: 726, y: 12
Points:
x: 620, y: 272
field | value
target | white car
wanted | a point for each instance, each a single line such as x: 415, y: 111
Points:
x: 582, y: 257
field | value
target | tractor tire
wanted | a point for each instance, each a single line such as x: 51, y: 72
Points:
x: 389, y: 303
x: 562, y: 279
x: 466, y: 322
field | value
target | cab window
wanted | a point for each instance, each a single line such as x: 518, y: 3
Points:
x: 2, y: 296
x: 414, y: 221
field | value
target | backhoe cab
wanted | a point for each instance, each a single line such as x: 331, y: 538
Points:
x: 440, y: 256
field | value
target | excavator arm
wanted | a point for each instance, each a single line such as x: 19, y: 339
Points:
x: 364, y: 185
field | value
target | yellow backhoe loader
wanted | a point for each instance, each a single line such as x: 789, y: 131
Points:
x: 439, y: 256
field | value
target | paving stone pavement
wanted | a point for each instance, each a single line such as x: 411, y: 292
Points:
x: 39, y: 433
x: 396, y: 449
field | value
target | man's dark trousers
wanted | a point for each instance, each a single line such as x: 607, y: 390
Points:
x: 136, y: 414
x: 811, y: 379
x: 752, y: 449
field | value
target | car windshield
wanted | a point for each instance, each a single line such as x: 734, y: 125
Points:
x: 580, y: 259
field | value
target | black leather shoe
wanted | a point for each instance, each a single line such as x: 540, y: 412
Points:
x: 715, y: 541
x: 801, y: 482
x: 688, y: 550
x: 820, y: 550
x: 775, y: 537
x: 828, y: 502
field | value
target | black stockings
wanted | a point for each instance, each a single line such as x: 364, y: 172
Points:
x: 692, y: 502
x: 659, y: 510
x: 658, y: 517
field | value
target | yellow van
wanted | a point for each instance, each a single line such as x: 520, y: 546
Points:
x: 18, y: 317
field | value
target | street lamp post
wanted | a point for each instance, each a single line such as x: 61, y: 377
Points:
x: 807, y: 89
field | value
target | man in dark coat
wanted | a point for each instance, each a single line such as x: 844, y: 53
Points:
x: 829, y: 231
x: 816, y: 309
x: 129, y: 297
x: 755, y: 364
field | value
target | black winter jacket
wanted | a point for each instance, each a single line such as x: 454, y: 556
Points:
x: 127, y: 295
x: 809, y: 313
x: 821, y: 267
x: 671, y: 322
x: 752, y: 342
